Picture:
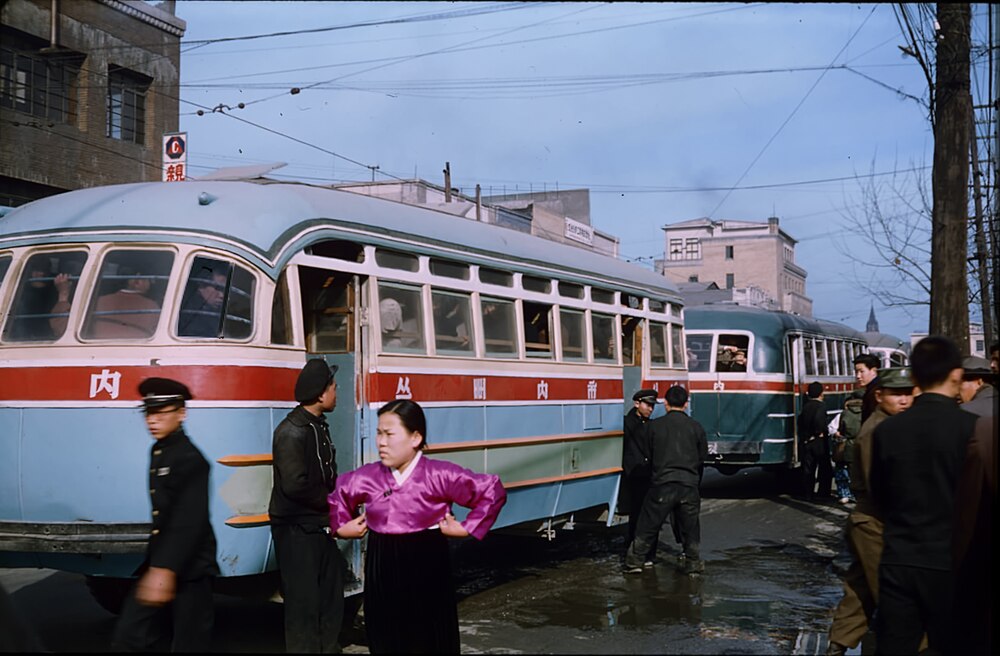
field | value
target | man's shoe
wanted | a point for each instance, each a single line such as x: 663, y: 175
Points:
x: 648, y: 564
x: 632, y: 569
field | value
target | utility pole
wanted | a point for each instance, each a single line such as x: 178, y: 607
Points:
x: 950, y: 179
x: 982, y: 256
x: 447, y: 182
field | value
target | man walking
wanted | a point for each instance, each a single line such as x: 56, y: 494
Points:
x: 636, y: 466
x: 814, y: 445
x: 305, y: 472
x: 679, y: 450
x: 853, y: 616
x: 916, y: 459
x: 180, y: 557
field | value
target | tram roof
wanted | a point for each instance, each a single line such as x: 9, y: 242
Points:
x: 270, y: 221
x: 741, y: 317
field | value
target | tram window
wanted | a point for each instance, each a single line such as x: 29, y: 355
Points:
x: 396, y: 260
x: 657, y: 344
x: 128, y: 295
x: 337, y: 249
x: 44, y: 297
x: 807, y: 356
x: 731, y: 354
x: 675, y: 310
x: 281, y: 320
x: 402, y: 319
x: 629, y: 334
x: 218, y: 301
x: 699, y: 353
x: 450, y: 269
x: 656, y: 306
x: 537, y: 330
x: 677, y: 344
x: 328, y: 308
x: 4, y: 265
x: 631, y: 301
x: 602, y: 296
x: 605, y: 344
x: 569, y: 290
x: 499, y: 327
x: 834, y: 349
x: 897, y: 359
x: 821, y: 359
x: 452, y: 321
x: 571, y: 329
x: 495, y: 277
x: 533, y: 284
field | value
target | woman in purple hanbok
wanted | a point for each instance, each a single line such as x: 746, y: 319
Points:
x: 403, y: 504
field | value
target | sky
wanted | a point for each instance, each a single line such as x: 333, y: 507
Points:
x: 666, y: 112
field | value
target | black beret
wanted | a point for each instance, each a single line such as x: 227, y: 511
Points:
x: 158, y: 392
x: 648, y: 395
x: 314, y: 378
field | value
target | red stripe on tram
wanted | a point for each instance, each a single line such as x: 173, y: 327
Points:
x: 120, y: 383
x: 383, y: 387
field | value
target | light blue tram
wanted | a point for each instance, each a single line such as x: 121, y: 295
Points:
x: 522, y: 351
x: 749, y: 369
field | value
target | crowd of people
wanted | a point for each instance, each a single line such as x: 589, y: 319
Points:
x: 920, y: 467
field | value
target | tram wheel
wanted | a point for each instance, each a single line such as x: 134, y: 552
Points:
x: 727, y: 470
x: 109, y: 592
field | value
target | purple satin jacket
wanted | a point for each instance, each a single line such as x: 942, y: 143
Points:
x: 421, y: 501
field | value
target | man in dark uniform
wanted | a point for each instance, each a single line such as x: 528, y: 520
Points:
x: 180, y: 558
x: 678, y: 452
x: 305, y: 472
x: 866, y: 368
x: 814, y: 446
x: 916, y: 459
x: 636, y: 466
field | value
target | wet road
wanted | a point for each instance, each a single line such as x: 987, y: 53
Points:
x: 772, y: 566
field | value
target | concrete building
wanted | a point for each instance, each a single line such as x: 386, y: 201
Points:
x: 756, y: 258
x: 562, y: 216
x: 87, y: 89
x: 976, y: 345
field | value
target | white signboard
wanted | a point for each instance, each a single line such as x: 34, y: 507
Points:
x: 580, y: 232
x: 175, y: 156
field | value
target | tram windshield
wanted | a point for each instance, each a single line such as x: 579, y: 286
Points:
x: 45, y: 297
x: 4, y: 265
x: 128, y: 296
x: 699, y: 352
x: 218, y: 301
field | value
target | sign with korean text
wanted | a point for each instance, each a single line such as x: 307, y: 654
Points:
x: 174, y: 156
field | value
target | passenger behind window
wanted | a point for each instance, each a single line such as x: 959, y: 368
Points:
x: 128, y: 313
x: 392, y: 321
x: 201, y: 311
x: 38, y: 300
x: 449, y: 323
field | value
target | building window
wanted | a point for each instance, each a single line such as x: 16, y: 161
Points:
x: 35, y: 84
x: 729, y: 252
x: 692, y: 249
x: 127, y: 105
x: 676, y: 249
x: 730, y: 280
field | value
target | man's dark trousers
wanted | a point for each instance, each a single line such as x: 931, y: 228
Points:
x: 140, y: 627
x: 910, y: 598
x: 660, y: 502
x: 312, y: 581
x: 816, y: 464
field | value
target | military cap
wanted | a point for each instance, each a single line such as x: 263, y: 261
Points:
x: 895, y: 378
x: 647, y: 395
x: 159, y: 392
x: 975, y: 367
x: 313, y: 380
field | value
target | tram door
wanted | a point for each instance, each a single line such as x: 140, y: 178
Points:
x: 797, y: 368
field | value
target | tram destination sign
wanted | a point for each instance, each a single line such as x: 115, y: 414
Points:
x: 174, y: 156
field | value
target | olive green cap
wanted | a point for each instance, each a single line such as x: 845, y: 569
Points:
x: 895, y: 378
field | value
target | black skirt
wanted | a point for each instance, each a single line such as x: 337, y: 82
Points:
x: 409, y: 595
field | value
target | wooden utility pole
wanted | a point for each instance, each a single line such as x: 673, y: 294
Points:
x: 950, y: 179
x: 447, y: 182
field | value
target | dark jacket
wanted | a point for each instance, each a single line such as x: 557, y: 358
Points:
x: 181, y: 539
x: 679, y: 449
x: 849, y: 427
x: 812, y: 420
x: 635, y: 447
x: 305, y: 470
x: 868, y: 401
x: 916, y: 459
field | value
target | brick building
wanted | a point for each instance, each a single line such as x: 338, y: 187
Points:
x: 754, y: 256
x: 87, y: 88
